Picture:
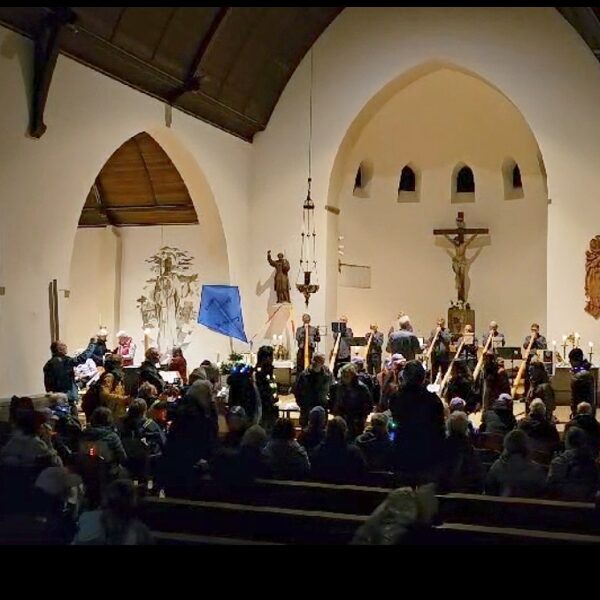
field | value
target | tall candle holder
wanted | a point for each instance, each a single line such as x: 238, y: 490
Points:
x: 564, y: 346
x: 591, y: 344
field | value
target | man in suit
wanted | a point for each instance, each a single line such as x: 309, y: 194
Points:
x: 404, y: 341
x: 343, y: 356
x: 440, y: 354
x: 307, y: 334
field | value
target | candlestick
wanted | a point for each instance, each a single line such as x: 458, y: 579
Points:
x: 591, y: 345
x: 577, y: 338
x: 146, y: 339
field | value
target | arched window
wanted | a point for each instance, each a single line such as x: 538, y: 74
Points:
x: 465, y: 182
x: 363, y: 178
x: 358, y: 180
x: 516, y: 178
x: 408, y: 180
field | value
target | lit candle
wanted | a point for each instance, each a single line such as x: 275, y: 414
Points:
x: 591, y: 345
x: 553, y: 344
x: 564, y: 338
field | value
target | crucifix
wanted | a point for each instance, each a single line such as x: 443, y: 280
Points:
x: 460, y: 262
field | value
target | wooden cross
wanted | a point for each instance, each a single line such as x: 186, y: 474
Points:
x: 460, y: 263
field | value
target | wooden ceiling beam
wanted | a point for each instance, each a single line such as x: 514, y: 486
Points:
x: 193, y: 80
x: 46, y: 50
x: 150, y: 209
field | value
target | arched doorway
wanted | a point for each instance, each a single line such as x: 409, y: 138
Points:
x: 148, y: 237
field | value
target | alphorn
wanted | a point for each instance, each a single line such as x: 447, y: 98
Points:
x: 482, y: 358
x: 447, y: 375
x: 430, y: 349
x: 306, y: 353
x: 369, y: 345
x: 334, y: 353
x: 521, y: 370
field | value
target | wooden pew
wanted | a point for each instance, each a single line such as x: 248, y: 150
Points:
x: 214, y: 522
x: 526, y: 513
x: 256, y: 523
x: 553, y: 515
x: 185, y: 539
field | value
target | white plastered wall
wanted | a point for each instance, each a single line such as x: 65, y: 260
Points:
x: 443, y: 120
x: 43, y: 185
x: 531, y: 55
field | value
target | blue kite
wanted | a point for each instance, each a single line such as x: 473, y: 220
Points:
x: 221, y: 311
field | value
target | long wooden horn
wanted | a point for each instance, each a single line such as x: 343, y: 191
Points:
x: 447, y: 375
x: 334, y: 353
x: 521, y: 371
x: 482, y: 357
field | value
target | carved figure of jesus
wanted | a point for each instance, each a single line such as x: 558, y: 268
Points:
x: 460, y: 262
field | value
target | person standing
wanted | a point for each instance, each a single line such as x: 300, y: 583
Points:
x: 306, y: 335
x: 312, y: 387
x: 179, y: 364
x: 149, y: 371
x: 59, y: 375
x: 497, y: 338
x: 125, y: 349
x: 351, y: 400
x: 440, y: 353
x: 582, y: 380
x: 100, y: 349
x: 404, y: 341
x: 343, y: 355
x: 267, y: 387
x: 375, y: 349
x: 539, y: 343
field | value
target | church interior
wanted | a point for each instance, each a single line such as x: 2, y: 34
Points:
x: 346, y: 256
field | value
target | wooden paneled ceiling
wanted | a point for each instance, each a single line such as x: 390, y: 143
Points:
x: 224, y: 65
x: 138, y: 185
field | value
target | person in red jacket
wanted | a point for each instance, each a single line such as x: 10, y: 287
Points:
x: 179, y: 364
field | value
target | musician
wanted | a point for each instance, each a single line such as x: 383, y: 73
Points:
x: 375, y: 350
x: 301, y: 336
x: 469, y: 351
x: 343, y: 355
x: 404, y: 341
x: 440, y: 354
x: 539, y: 343
x: 496, y: 335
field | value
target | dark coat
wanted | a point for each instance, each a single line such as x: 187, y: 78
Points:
x: 149, y: 373
x: 574, y: 476
x: 419, y: 418
x: 377, y: 450
x: 353, y: 403
x: 58, y: 371
x: 515, y: 476
x: 499, y: 421
x: 542, y: 433
x: 312, y: 389
x: 591, y: 426
x: 462, y: 471
x: 338, y: 463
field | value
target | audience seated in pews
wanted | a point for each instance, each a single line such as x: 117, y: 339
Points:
x: 574, y: 474
x: 314, y: 433
x: 375, y: 444
x: 514, y: 473
x: 115, y: 523
x: 542, y: 433
x: 143, y: 441
x: 586, y: 420
x: 500, y: 418
x: 242, y: 465
x: 460, y: 468
x: 30, y: 445
x: 286, y: 458
x: 237, y: 423
x: 101, y: 439
x: 336, y: 460
x: 459, y: 405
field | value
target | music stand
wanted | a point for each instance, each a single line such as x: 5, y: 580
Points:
x: 511, y: 353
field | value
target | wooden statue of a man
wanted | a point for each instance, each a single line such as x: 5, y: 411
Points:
x: 282, y: 282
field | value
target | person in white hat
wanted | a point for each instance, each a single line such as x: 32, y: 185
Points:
x: 125, y: 349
